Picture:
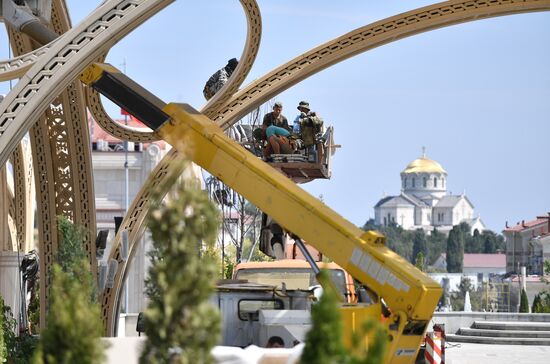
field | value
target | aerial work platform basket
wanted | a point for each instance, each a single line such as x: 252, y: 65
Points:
x: 302, y: 166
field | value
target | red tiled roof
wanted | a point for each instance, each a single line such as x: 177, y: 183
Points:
x: 483, y: 260
x: 528, y: 225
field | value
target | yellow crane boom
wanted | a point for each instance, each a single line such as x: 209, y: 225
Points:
x: 410, y: 294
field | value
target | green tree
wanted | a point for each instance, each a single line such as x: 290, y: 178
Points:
x: 419, y: 244
x: 181, y: 326
x: 419, y: 263
x: 541, y: 302
x: 324, y: 340
x: 457, y: 297
x: 524, y: 302
x: 436, y: 243
x: 455, y: 250
x: 489, y: 241
x: 474, y: 243
x: 74, y: 325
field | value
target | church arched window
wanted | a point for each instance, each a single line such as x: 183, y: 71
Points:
x: 414, y: 182
x: 435, y: 182
x: 405, y: 182
x: 424, y: 182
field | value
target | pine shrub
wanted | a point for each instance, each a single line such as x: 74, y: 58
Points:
x: 180, y: 325
x: 74, y: 326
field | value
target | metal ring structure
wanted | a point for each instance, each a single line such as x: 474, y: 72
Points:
x: 353, y: 43
x: 16, y: 67
x: 134, y: 221
x: 52, y: 74
x: 71, y: 53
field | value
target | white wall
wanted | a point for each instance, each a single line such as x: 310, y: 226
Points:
x: 9, y: 281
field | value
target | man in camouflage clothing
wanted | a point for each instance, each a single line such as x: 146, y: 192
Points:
x: 219, y: 79
x: 308, y: 126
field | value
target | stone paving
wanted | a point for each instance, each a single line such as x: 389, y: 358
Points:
x: 466, y: 353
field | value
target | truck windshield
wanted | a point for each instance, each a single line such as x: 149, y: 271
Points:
x: 294, y: 278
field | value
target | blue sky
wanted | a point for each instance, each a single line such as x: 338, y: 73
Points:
x: 476, y: 95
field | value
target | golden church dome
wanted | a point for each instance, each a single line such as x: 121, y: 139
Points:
x: 424, y: 165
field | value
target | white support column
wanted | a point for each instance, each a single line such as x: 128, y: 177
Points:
x: 9, y: 281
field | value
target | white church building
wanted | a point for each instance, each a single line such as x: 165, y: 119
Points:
x: 424, y: 201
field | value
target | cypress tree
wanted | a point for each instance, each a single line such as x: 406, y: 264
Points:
x: 181, y: 326
x: 419, y: 244
x: 524, y: 303
x: 455, y: 250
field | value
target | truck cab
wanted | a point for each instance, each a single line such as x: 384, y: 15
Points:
x: 295, y: 274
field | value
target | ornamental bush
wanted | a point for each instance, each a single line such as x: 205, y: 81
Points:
x: 181, y: 326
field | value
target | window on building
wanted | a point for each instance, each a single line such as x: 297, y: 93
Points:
x: 424, y: 182
x: 385, y: 221
x: 414, y: 182
x: 435, y: 182
x: 404, y: 182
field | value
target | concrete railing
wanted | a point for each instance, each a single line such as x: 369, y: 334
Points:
x: 455, y: 320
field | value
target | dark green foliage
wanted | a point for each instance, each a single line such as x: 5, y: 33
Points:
x: 324, y: 340
x: 524, y: 302
x: 181, y: 326
x: 436, y: 243
x: 14, y: 349
x: 74, y: 325
x: 419, y: 244
x: 228, y: 268
x: 72, y: 252
x: 541, y: 302
x: 455, y: 250
x: 474, y: 243
x: 403, y: 241
x: 71, y: 247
